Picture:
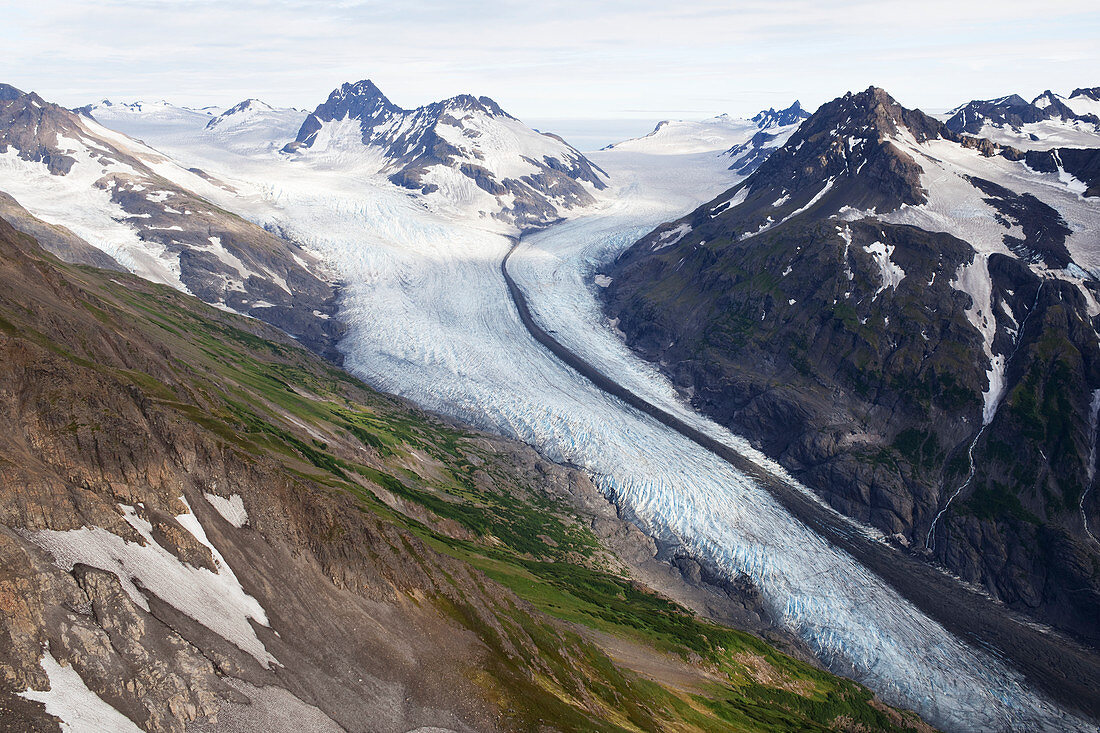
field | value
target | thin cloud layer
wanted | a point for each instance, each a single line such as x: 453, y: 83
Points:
x: 568, y: 58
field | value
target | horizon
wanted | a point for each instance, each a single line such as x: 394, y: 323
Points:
x: 637, y: 61
x: 584, y: 133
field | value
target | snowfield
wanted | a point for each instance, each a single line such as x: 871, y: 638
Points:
x: 430, y: 318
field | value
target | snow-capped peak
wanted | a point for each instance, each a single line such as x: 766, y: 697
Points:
x: 465, y: 153
x: 241, y: 112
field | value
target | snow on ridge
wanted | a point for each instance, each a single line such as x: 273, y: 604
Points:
x: 75, y: 202
x: 680, y: 137
x: 770, y: 223
x: 671, y: 237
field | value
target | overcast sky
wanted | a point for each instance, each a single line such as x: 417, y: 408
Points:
x: 551, y: 59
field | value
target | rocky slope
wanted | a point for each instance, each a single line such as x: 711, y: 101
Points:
x: 465, y: 154
x: 205, y: 527
x: 905, y: 318
x: 142, y: 211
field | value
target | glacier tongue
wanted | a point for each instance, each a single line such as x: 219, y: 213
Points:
x: 462, y: 350
x: 430, y: 318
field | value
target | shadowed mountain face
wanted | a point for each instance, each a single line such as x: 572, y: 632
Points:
x: 524, y: 177
x: 793, y: 115
x: 902, y: 317
x: 194, y: 505
x: 1072, y: 120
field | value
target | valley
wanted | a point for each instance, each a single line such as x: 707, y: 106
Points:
x: 452, y: 298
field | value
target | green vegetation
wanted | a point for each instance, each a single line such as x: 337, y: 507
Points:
x: 465, y: 496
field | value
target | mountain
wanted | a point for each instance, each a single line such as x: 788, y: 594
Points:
x: 253, y: 540
x: 721, y: 144
x: 743, y: 143
x: 115, y: 195
x: 252, y: 127
x: 904, y: 317
x: 240, y: 113
x: 464, y: 154
x: 1049, y: 120
x: 793, y: 115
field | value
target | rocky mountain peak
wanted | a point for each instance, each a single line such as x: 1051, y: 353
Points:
x: 521, y: 175
x: 1011, y: 111
x: 874, y: 112
x: 361, y: 100
x: 31, y: 125
x: 842, y: 155
x: 1092, y: 93
x: 769, y: 118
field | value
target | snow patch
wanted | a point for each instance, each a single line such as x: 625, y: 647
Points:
x: 215, y: 600
x: 890, y: 272
x: 671, y: 237
x: 79, y: 709
x: 231, y: 509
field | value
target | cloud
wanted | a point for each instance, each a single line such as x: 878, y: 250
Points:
x: 553, y: 59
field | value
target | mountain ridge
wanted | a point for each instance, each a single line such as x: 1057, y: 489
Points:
x: 786, y: 308
x: 464, y: 148
x: 107, y: 190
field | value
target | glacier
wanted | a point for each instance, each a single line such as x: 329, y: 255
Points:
x: 430, y: 319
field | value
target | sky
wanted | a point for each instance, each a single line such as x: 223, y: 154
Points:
x: 589, y: 65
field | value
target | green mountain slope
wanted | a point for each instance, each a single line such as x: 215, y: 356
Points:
x: 410, y: 572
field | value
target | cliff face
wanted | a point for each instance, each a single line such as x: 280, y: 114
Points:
x: 817, y: 310
x: 203, y: 526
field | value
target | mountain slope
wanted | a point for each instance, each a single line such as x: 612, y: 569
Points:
x: 196, y: 506
x: 904, y: 317
x: 465, y: 154
x: 124, y: 199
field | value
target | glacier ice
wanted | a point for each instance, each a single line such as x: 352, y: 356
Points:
x: 430, y: 319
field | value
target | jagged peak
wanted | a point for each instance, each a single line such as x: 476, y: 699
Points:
x: 840, y: 156
x: 1088, y: 92
x: 358, y: 100
x: 364, y: 88
x: 770, y: 117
